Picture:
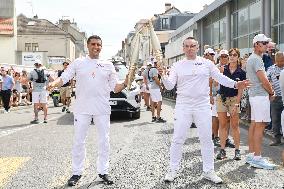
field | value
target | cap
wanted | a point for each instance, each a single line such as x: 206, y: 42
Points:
x: 37, y: 61
x: 224, y: 52
x: 209, y: 51
x: 260, y: 38
x: 149, y: 63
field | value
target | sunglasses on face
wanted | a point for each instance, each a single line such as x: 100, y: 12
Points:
x: 235, y: 55
x: 263, y: 42
x: 224, y: 56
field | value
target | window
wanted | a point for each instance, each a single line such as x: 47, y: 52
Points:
x: 255, y: 13
x: 274, y: 11
x: 281, y: 13
x: 281, y: 33
x: 34, y: 46
x: 243, y: 22
x: 165, y: 23
x: 28, y: 47
x: 215, y: 33
x: 223, y: 30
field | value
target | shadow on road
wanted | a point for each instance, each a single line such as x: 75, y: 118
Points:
x: 15, y: 126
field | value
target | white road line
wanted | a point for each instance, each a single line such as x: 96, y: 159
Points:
x: 11, y: 131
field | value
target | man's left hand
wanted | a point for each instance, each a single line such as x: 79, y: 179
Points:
x: 243, y: 84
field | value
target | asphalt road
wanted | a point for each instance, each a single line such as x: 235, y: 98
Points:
x: 39, y: 156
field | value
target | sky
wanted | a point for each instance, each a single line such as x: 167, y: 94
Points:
x: 110, y: 19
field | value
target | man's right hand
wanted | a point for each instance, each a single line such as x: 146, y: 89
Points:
x: 161, y: 71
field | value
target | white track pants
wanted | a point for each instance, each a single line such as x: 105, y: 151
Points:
x: 203, y: 121
x: 82, y: 124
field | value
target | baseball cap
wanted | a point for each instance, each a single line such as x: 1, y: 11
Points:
x: 37, y: 61
x: 260, y: 38
x: 149, y: 63
x: 224, y: 52
x: 209, y: 51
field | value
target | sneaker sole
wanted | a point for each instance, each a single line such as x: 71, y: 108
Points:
x: 259, y: 167
x: 212, y: 180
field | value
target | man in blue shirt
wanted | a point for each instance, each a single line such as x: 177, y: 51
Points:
x: 6, y: 89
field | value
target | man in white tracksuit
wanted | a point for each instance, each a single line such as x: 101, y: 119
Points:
x: 191, y: 76
x: 95, y: 79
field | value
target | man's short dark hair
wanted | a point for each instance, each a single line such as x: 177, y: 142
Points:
x: 94, y: 37
x: 189, y: 38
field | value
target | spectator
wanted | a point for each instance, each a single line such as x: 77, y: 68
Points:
x: 259, y: 94
x: 6, y: 90
x: 273, y: 74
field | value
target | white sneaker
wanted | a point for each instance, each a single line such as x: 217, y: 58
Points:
x: 212, y: 176
x: 170, y: 176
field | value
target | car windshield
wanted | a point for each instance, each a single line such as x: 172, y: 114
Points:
x: 121, y: 71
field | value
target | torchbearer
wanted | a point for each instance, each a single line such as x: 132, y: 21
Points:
x: 191, y: 76
x: 95, y: 79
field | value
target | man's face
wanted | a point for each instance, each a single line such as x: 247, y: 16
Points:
x: 190, y: 47
x: 261, y: 46
x: 224, y: 59
x: 65, y: 65
x: 3, y: 72
x: 94, y: 47
x: 210, y: 56
x: 280, y: 61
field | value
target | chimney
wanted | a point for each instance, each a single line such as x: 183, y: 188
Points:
x: 205, y: 6
x: 167, y: 6
x: 36, y: 17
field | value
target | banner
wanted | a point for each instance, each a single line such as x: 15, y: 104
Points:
x: 7, y: 26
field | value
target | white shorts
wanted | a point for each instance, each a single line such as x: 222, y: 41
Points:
x: 260, y: 109
x: 155, y: 95
x: 40, y: 97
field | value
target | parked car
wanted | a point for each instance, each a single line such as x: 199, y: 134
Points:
x: 126, y: 101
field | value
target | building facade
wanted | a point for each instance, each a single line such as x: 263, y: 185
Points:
x: 8, y: 32
x: 230, y: 23
x: 164, y: 24
x: 41, y: 39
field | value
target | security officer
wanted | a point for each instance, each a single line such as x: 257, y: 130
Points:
x: 95, y: 79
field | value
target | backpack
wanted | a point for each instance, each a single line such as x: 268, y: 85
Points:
x: 151, y: 79
x: 40, y: 76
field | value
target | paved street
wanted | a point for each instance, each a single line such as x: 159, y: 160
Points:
x: 39, y: 156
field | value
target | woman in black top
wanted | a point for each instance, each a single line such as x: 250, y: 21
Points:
x: 228, y: 102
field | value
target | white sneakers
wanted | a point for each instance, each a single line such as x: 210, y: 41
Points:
x: 212, y: 176
x: 170, y: 176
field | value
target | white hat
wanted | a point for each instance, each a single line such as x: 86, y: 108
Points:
x: 260, y: 38
x: 209, y: 51
x: 224, y: 52
x: 38, y: 61
x: 149, y: 63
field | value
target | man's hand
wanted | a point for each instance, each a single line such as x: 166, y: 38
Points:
x: 243, y: 84
x: 161, y: 71
x: 211, y: 100
x: 50, y: 86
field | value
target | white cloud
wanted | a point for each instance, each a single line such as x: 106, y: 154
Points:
x: 110, y: 19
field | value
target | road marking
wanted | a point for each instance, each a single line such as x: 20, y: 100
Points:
x: 9, y: 166
x: 11, y: 131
